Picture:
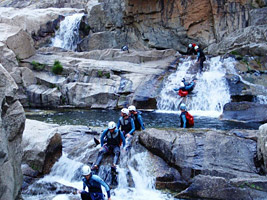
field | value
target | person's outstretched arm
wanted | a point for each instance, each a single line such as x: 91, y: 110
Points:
x: 188, y: 87
x: 140, y: 120
x: 184, y: 121
x: 102, y: 137
x: 123, y: 138
x: 133, y: 126
x: 119, y: 123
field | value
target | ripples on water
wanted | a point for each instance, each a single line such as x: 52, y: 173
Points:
x: 151, y: 119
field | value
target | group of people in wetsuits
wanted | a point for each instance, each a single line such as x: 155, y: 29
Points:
x: 193, y: 49
x: 186, y: 119
x: 111, y: 139
x: 122, y: 132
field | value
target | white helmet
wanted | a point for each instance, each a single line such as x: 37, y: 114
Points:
x: 132, y: 108
x: 182, y: 84
x: 182, y: 106
x: 196, y: 47
x: 190, y: 45
x: 125, y: 111
x: 86, y: 170
x: 111, y: 125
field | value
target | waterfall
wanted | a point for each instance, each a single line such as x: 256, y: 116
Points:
x: 68, y: 172
x: 67, y: 36
x: 139, y: 167
x: 210, y: 94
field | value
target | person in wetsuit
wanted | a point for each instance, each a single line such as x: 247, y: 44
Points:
x: 111, y: 137
x: 136, y: 115
x: 93, y: 183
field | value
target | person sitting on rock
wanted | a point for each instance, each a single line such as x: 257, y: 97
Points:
x: 112, y: 138
x: 93, y: 182
x: 126, y: 125
x: 191, y: 49
x: 186, y: 119
x: 136, y: 115
x: 125, y: 48
x: 200, y: 57
x: 185, y: 87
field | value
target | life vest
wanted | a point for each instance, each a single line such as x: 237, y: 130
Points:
x: 93, y: 186
x: 113, y: 138
x: 126, y: 125
x: 136, y: 122
x: 182, y: 93
x: 189, y: 119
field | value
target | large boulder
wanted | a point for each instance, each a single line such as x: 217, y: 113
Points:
x: 42, y: 145
x: 12, y: 123
x: 248, y: 41
x: 245, y: 111
x: 262, y: 146
x: 212, y: 164
x: 43, y: 96
x: 221, y: 188
x: 16, y: 39
x: 203, y: 151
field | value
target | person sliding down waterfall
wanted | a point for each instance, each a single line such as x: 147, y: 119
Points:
x: 185, y: 87
x: 200, y: 57
x: 186, y: 119
x: 112, y: 137
x: 126, y: 123
x: 93, y: 182
x: 136, y: 115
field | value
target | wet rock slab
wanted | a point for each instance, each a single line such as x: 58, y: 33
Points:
x: 210, y: 161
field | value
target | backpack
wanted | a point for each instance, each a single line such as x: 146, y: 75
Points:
x: 182, y: 93
x: 190, y: 119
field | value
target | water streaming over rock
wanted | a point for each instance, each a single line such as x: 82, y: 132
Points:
x: 210, y: 93
x: 67, y: 36
x: 67, y: 173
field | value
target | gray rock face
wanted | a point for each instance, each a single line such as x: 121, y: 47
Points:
x: 42, y: 145
x: 215, y: 164
x: 174, y: 24
x: 245, y: 111
x: 221, y: 188
x: 90, y: 79
x: 262, y: 146
x: 203, y: 151
x: 247, y: 41
x: 12, y: 124
x: 18, y: 40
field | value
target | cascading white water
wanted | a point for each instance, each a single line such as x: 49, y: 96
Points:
x: 210, y: 94
x: 139, y: 167
x: 66, y: 171
x: 67, y: 36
